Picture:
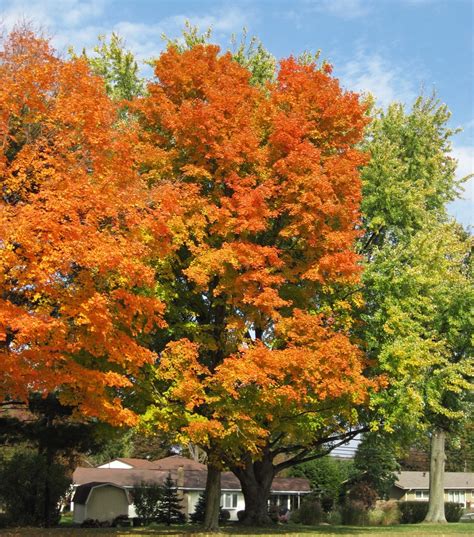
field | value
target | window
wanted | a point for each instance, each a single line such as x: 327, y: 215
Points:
x: 422, y: 495
x: 457, y: 496
x: 229, y: 500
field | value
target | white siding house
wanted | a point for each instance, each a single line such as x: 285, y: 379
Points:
x: 190, y: 478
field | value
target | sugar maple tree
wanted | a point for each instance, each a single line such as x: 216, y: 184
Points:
x: 258, y: 360
x: 73, y: 217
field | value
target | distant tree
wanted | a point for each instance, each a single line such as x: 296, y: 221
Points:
x: 31, y: 489
x: 375, y: 463
x: 326, y: 476
x: 199, y: 510
x: 117, y: 67
x: 170, y: 505
x: 146, y: 498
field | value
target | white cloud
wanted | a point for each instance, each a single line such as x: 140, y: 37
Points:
x: 464, y: 154
x: 372, y: 73
x: 145, y: 39
x: 346, y: 9
x: 79, y: 22
x: 52, y: 14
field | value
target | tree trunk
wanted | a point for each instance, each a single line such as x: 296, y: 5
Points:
x: 437, y: 461
x: 213, y: 498
x: 256, y: 481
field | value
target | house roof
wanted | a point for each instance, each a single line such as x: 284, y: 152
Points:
x: 176, y: 461
x: 82, y: 492
x: 420, y: 480
x: 136, y: 463
x: 120, y: 476
x: 193, y: 476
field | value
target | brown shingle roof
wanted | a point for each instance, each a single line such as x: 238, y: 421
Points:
x: 136, y: 463
x: 175, y: 461
x: 83, y: 491
x: 420, y: 480
x: 193, y: 478
x: 120, y: 476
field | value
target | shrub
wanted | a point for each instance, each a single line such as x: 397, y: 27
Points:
x: 385, y: 514
x: 310, y: 513
x: 240, y: 515
x: 363, y: 492
x: 354, y: 513
x: 334, y: 518
x: 273, y: 512
x: 4, y: 521
x: 121, y: 520
x: 412, y: 512
x: 390, y: 513
x: 90, y: 523
x: 453, y: 511
x: 224, y: 516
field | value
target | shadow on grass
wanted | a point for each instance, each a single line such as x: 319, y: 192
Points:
x: 414, y: 530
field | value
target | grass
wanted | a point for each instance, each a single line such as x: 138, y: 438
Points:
x: 414, y: 530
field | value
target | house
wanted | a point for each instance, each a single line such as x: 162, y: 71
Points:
x: 414, y: 486
x: 190, y: 477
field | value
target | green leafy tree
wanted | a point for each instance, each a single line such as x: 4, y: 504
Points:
x: 31, y: 489
x: 146, y: 498
x: 199, y: 510
x: 326, y: 475
x: 170, y: 504
x: 418, y: 279
x: 375, y: 463
x: 116, y: 66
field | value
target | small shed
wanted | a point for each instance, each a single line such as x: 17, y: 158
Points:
x: 100, y: 501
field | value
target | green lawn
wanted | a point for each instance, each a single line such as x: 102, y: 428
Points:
x: 415, y: 530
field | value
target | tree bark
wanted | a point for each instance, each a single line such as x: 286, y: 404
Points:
x: 256, y: 481
x: 437, y: 461
x: 213, y: 498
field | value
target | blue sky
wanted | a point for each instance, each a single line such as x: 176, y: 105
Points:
x: 392, y: 48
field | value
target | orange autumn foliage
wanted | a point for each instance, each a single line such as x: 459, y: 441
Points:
x: 73, y: 216
x: 267, y: 181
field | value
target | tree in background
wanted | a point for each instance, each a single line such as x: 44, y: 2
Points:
x: 31, y: 489
x: 116, y: 66
x: 375, y: 463
x: 170, y: 504
x: 146, y: 498
x: 327, y: 476
x: 418, y: 280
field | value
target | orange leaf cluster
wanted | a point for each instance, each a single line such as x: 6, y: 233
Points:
x: 73, y: 213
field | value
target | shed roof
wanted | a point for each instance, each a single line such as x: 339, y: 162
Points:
x: 420, y: 480
x: 82, y: 492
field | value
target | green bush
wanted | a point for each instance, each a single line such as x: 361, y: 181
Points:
x: 354, y: 513
x: 310, y: 513
x: 412, y: 512
x: 334, y: 518
x: 453, y: 511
